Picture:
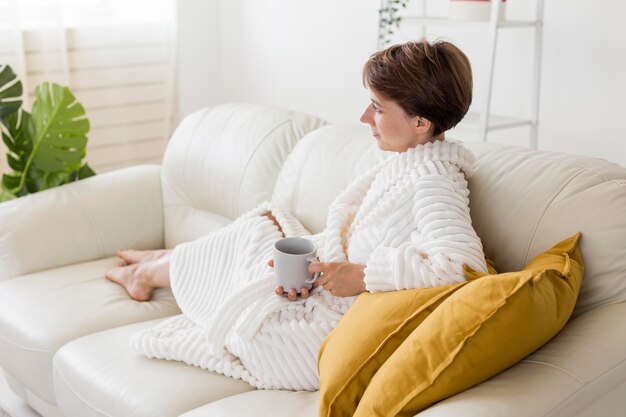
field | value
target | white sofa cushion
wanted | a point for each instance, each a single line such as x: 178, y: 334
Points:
x: 262, y: 403
x: 42, y: 311
x: 223, y: 161
x: 101, y: 375
x: 81, y: 221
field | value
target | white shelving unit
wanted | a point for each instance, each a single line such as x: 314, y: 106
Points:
x: 484, y: 121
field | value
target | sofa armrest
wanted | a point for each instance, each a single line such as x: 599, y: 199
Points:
x: 580, y: 372
x: 82, y: 221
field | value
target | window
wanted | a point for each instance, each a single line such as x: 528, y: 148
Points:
x: 117, y: 56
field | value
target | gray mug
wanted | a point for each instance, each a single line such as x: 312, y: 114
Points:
x: 292, y: 257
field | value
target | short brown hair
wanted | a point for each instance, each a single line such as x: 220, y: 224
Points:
x: 430, y: 80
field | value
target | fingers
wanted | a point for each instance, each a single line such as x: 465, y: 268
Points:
x: 321, y: 280
x: 319, y: 267
x: 292, y: 295
x: 271, y: 263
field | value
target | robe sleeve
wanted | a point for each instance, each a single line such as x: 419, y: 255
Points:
x: 292, y: 227
x: 442, y: 239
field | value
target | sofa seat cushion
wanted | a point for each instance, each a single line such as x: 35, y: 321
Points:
x: 261, y: 403
x: 42, y: 311
x: 101, y: 375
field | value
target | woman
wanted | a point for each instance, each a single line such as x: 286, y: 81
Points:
x: 404, y: 224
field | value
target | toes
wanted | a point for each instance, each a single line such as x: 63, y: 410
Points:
x: 127, y: 256
x: 132, y: 256
x: 126, y: 277
x: 115, y: 274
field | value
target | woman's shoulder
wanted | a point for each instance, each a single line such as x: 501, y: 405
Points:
x: 445, y: 158
x: 450, y: 154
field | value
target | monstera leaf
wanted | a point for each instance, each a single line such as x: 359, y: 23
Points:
x: 18, y: 139
x: 9, y: 96
x: 46, y: 149
x: 60, y: 143
x: 61, y: 129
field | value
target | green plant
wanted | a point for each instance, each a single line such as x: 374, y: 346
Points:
x: 45, y: 147
x: 388, y: 19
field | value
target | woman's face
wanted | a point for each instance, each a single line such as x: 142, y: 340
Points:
x: 392, y: 127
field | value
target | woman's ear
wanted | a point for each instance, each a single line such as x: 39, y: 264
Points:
x: 422, y: 125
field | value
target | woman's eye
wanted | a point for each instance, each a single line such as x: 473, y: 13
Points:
x: 376, y: 109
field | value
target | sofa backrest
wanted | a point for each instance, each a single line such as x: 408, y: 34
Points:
x: 522, y: 202
x: 223, y: 161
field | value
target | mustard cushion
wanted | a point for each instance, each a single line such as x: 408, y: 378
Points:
x: 397, y: 353
x: 367, y: 335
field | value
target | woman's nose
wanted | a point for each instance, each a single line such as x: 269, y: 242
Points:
x: 366, y: 117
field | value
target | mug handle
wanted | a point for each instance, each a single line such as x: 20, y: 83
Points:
x: 316, y: 275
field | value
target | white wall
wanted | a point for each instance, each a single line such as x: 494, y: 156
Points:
x: 198, y: 54
x: 308, y: 54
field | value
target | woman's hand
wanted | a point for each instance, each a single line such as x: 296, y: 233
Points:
x: 342, y: 279
x: 292, y: 295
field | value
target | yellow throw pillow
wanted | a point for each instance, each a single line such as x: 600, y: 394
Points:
x: 397, y: 353
x: 368, y: 334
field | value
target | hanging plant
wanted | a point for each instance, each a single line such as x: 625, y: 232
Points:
x: 45, y: 147
x: 389, y: 20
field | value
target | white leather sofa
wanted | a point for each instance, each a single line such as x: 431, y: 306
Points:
x: 64, y: 329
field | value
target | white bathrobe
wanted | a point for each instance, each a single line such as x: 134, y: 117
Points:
x: 407, y: 220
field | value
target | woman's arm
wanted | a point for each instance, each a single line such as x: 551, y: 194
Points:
x: 440, y: 241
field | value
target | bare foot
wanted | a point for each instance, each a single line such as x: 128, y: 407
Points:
x: 134, y: 278
x: 131, y: 256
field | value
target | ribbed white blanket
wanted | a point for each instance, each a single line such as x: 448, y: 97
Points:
x: 407, y: 220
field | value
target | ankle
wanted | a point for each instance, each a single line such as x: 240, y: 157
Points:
x: 144, y: 274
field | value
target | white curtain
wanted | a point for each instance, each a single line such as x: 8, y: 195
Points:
x: 117, y: 56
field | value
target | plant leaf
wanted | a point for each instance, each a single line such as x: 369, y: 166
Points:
x: 61, y: 129
x: 9, y: 143
x: 20, y: 132
x: 15, y: 164
x: 10, y: 182
x: 19, y: 144
x: 85, y: 172
x: 33, y: 183
x: 6, y: 196
x: 9, y: 96
x: 53, y: 179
